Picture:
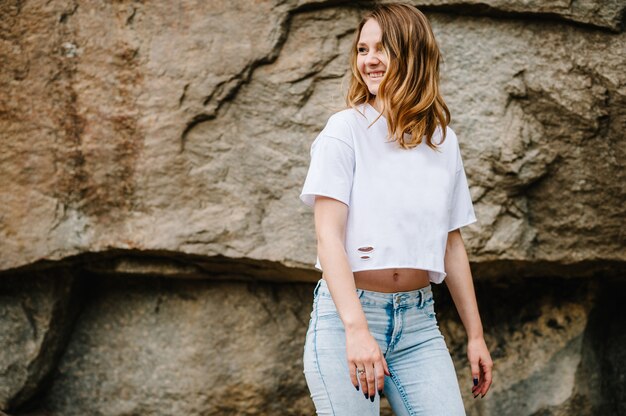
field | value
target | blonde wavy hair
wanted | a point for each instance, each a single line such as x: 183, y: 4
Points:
x: 409, y: 91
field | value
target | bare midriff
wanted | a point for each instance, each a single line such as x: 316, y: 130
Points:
x: 391, y: 280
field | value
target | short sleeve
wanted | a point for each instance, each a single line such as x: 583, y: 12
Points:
x: 331, y: 170
x: 461, y: 206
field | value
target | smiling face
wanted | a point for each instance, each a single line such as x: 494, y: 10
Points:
x: 371, y: 59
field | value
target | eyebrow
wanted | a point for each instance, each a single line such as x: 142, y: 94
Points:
x: 365, y: 44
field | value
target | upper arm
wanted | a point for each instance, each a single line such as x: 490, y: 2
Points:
x: 331, y: 170
x: 330, y: 218
x: 454, y: 244
x: 454, y: 236
x: 461, y: 212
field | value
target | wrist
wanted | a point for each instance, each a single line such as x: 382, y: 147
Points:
x: 475, y: 331
x: 475, y: 337
x: 356, y: 326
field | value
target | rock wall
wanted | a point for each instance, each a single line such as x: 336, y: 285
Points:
x: 156, y: 258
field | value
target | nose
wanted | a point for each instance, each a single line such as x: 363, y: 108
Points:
x: 371, y: 59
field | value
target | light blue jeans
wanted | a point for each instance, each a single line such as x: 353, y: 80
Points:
x: 423, y: 379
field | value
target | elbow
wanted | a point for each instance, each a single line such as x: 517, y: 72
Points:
x: 330, y: 235
x: 329, y: 240
x: 330, y: 244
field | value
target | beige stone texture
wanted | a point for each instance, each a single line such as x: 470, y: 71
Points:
x: 165, y: 144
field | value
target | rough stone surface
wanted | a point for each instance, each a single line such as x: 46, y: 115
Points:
x: 158, y: 346
x: 166, y: 346
x: 161, y: 140
x: 607, y: 14
x: 176, y: 130
x: 536, y: 335
x: 36, y: 314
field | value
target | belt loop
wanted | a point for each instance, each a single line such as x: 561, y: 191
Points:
x: 421, y: 303
x: 317, y: 288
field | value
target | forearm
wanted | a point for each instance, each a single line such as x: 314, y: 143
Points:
x: 460, y: 284
x: 340, y: 280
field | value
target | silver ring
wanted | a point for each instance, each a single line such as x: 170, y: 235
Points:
x: 359, y: 371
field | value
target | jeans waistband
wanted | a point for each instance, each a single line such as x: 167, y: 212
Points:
x: 415, y: 297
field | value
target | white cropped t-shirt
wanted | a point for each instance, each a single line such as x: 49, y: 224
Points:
x: 401, y: 203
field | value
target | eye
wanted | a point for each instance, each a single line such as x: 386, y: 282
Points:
x: 361, y: 50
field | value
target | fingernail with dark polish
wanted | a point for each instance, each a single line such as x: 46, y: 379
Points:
x: 372, y: 398
x: 366, y: 395
x: 475, y: 381
x: 476, y: 396
x: 357, y: 387
x: 482, y: 396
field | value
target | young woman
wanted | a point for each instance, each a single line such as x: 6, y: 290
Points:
x: 389, y: 192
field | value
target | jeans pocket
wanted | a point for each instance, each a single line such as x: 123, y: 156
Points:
x: 325, y: 308
x: 429, y: 308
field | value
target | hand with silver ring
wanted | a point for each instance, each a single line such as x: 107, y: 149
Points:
x: 366, y: 362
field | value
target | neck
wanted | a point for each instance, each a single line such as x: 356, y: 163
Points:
x: 377, y: 105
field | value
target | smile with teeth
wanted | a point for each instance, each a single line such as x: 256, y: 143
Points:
x: 375, y: 75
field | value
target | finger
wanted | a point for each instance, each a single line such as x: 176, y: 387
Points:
x: 380, y: 376
x: 487, y: 377
x: 387, y: 372
x: 371, y: 382
x: 477, y: 389
x: 475, y: 376
x: 363, y: 380
x: 355, y: 381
